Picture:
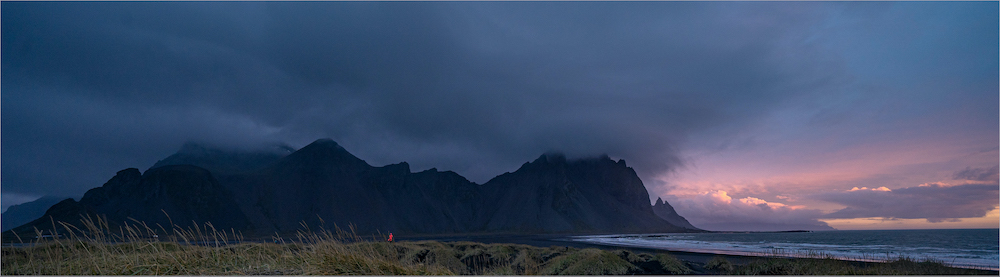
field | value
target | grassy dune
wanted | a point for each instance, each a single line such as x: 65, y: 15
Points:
x: 326, y: 258
x: 94, y: 250
x: 205, y: 251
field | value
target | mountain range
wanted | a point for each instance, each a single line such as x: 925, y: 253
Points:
x: 26, y: 212
x: 277, y: 190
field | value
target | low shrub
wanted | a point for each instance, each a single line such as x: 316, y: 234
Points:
x: 718, y: 263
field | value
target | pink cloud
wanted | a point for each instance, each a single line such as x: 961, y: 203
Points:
x: 935, y: 202
x: 874, y: 189
x: 717, y: 211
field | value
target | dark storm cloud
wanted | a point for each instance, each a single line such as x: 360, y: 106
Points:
x: 90, y: 88
x: 979, y: 174
x: 935, y: 202
x: 479, y: 88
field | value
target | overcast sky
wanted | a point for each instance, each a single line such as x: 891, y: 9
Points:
x: 851, y: 115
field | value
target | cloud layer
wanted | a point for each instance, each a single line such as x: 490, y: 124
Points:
x: 973, y: 194
x: 979, y: 174
x: 435, y: 84
x: 479, y: 88
x: 935, y: 202
x: 717, y: 211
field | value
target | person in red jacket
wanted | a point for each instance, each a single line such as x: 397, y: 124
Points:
x: 390, y: 237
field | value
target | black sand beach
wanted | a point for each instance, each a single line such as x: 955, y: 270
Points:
x: 695, y: 260
x: 467, y: 254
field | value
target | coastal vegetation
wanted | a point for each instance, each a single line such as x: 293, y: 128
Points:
x: 138, y: 249
x: 202, y: 250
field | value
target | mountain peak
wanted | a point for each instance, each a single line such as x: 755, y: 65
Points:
x: 663, y: 210
x: 324, y: 145
x: 226, y: 159
x: 326, y: 151
x: 560, y: 158
x: 551, y: 158
x: 199, y: 148
x: 19, y: 214
x: 327, y: 142
x: 123, y: 177
x: 554, y: 193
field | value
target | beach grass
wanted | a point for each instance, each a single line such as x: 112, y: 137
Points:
x: 137, y: 249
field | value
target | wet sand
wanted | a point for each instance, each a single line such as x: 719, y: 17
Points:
x: 698, y: 259
x: 695, y: 260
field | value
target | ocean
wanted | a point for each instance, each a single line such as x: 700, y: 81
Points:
x: 970, y: 248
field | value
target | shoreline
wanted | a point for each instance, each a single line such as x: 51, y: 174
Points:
x: 463, y: 254
x: 563, y: 241
x: 698, y: 259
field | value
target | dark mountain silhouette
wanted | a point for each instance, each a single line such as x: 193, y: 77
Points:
x: 19, y: 214
x: 329, y: 184
x: 323, y: 184
x: 220, y: 161
x: 552, y: 194
x: 178, y: 194
x: 321, y: 181
x: 666, y: 212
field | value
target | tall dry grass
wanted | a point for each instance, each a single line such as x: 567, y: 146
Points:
x: 136, y: 248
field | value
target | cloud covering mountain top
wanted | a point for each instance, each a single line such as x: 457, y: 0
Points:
x: 90, y: 88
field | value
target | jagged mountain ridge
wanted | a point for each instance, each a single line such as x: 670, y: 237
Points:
x: 323, y: 183
x: 666, y: 212
x: 220, y: 161
x: 552, y: 194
